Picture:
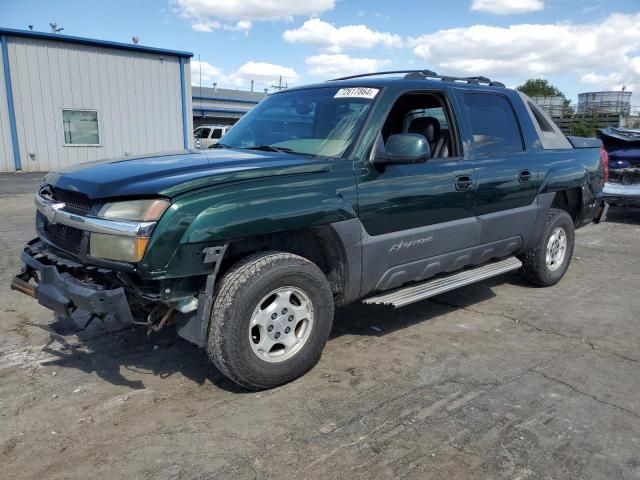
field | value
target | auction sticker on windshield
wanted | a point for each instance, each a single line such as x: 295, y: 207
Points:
x: 357, y: 92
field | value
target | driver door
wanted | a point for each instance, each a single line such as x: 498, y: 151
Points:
x: 418, y: 218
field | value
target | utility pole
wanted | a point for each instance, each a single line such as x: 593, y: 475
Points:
x: 280, y: 85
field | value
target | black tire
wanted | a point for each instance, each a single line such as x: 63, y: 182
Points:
x: 239, y: 292
x: 534, y: 265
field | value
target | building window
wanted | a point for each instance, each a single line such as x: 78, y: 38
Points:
x: 80, y: 127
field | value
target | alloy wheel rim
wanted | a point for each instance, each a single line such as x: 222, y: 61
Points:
x: 556, y: 249
x: 281, y: 324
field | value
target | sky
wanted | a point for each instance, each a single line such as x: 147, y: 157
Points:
x: 579, y: 46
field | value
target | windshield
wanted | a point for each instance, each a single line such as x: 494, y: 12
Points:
x: 316, y: 121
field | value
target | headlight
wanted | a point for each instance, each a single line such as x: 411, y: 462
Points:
x: 120, y: 247
x: 136, y: 210
x: 117, y: 247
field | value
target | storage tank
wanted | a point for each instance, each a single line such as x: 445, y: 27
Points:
x: 552, y: 105
x: 605, y: 102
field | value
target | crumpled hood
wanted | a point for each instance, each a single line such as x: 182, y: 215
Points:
x: 173, y: 173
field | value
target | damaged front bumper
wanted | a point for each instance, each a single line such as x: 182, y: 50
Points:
x: 620, y: 194
x: 64, y: 286
x: 63, y: 293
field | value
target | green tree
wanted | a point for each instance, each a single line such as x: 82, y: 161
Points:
x: 583, y: 127
x: 540, y: 87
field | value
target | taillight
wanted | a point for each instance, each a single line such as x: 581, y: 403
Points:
x: 604, y: 158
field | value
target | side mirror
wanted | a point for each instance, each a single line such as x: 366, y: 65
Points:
x: 404, y: 148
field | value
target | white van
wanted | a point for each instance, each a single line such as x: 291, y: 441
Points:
x: 207, y: 135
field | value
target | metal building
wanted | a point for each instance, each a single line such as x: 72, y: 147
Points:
x: 615, y: 102
x: 67, y: 100
x: 221, y: 106
x: 553, y: 105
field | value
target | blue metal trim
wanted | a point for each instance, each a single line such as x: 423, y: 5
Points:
x: 218, y: 110
x: 183, y: 91
x: 12, y: 113
x: 223, y: 99
x: 92, y: 41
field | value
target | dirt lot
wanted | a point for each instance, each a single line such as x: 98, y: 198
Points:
x: 496, y: 380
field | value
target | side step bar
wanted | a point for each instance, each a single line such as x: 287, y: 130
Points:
x: 415, y: 293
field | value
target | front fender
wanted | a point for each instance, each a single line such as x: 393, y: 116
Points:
x: 218, y: 215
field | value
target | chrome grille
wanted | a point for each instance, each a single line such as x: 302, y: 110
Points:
x: 72, y: 200
x: 63, y: 236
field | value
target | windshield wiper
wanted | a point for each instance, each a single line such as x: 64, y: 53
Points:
x: 272, y: 148
x: 219, y: 145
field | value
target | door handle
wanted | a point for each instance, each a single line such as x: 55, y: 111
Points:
x: 464, y: 182
x: 524, y: 176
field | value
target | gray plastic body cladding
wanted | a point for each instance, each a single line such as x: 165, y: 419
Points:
x: 545, y: 200
x: 392, y: 259
x: 496, y: 226
x: 424, y: 290
x: 350, y: 234
x: 448, y: 262
x: 404, y: 252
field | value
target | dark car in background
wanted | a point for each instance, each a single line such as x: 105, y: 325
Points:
x: 623, y: 148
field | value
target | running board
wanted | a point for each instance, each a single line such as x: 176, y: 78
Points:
x: 415, y: 293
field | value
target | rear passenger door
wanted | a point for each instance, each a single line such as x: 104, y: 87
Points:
x: 505, y: 172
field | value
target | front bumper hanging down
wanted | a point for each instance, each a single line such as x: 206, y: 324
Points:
x: 63, y: 293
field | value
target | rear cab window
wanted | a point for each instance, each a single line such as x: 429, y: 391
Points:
x: 493, y: 123
x: 550, y: 136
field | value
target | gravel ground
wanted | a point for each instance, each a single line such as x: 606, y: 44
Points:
x: 495, y: 380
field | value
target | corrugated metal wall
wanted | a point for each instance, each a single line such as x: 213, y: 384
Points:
x: 224, y: 104
x: 6, y: 150
x: 137, y: 96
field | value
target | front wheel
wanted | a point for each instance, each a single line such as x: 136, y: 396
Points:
x: 271, y: 319
x: 546, y: 263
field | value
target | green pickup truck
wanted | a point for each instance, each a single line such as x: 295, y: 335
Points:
x: 388, y: 188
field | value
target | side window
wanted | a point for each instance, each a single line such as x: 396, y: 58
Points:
x: 205, y: 133
x: 493, y: 124
x: 424, y: 114
x: 217, y: 133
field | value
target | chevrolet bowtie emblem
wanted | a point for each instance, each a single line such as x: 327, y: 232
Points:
x: 50, y: 211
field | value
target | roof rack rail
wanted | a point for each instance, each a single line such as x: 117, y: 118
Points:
x: 372, y: 74
x: 429, y: 74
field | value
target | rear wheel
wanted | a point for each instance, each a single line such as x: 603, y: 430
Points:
x: 271, y: 319
x: 546, y: 263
